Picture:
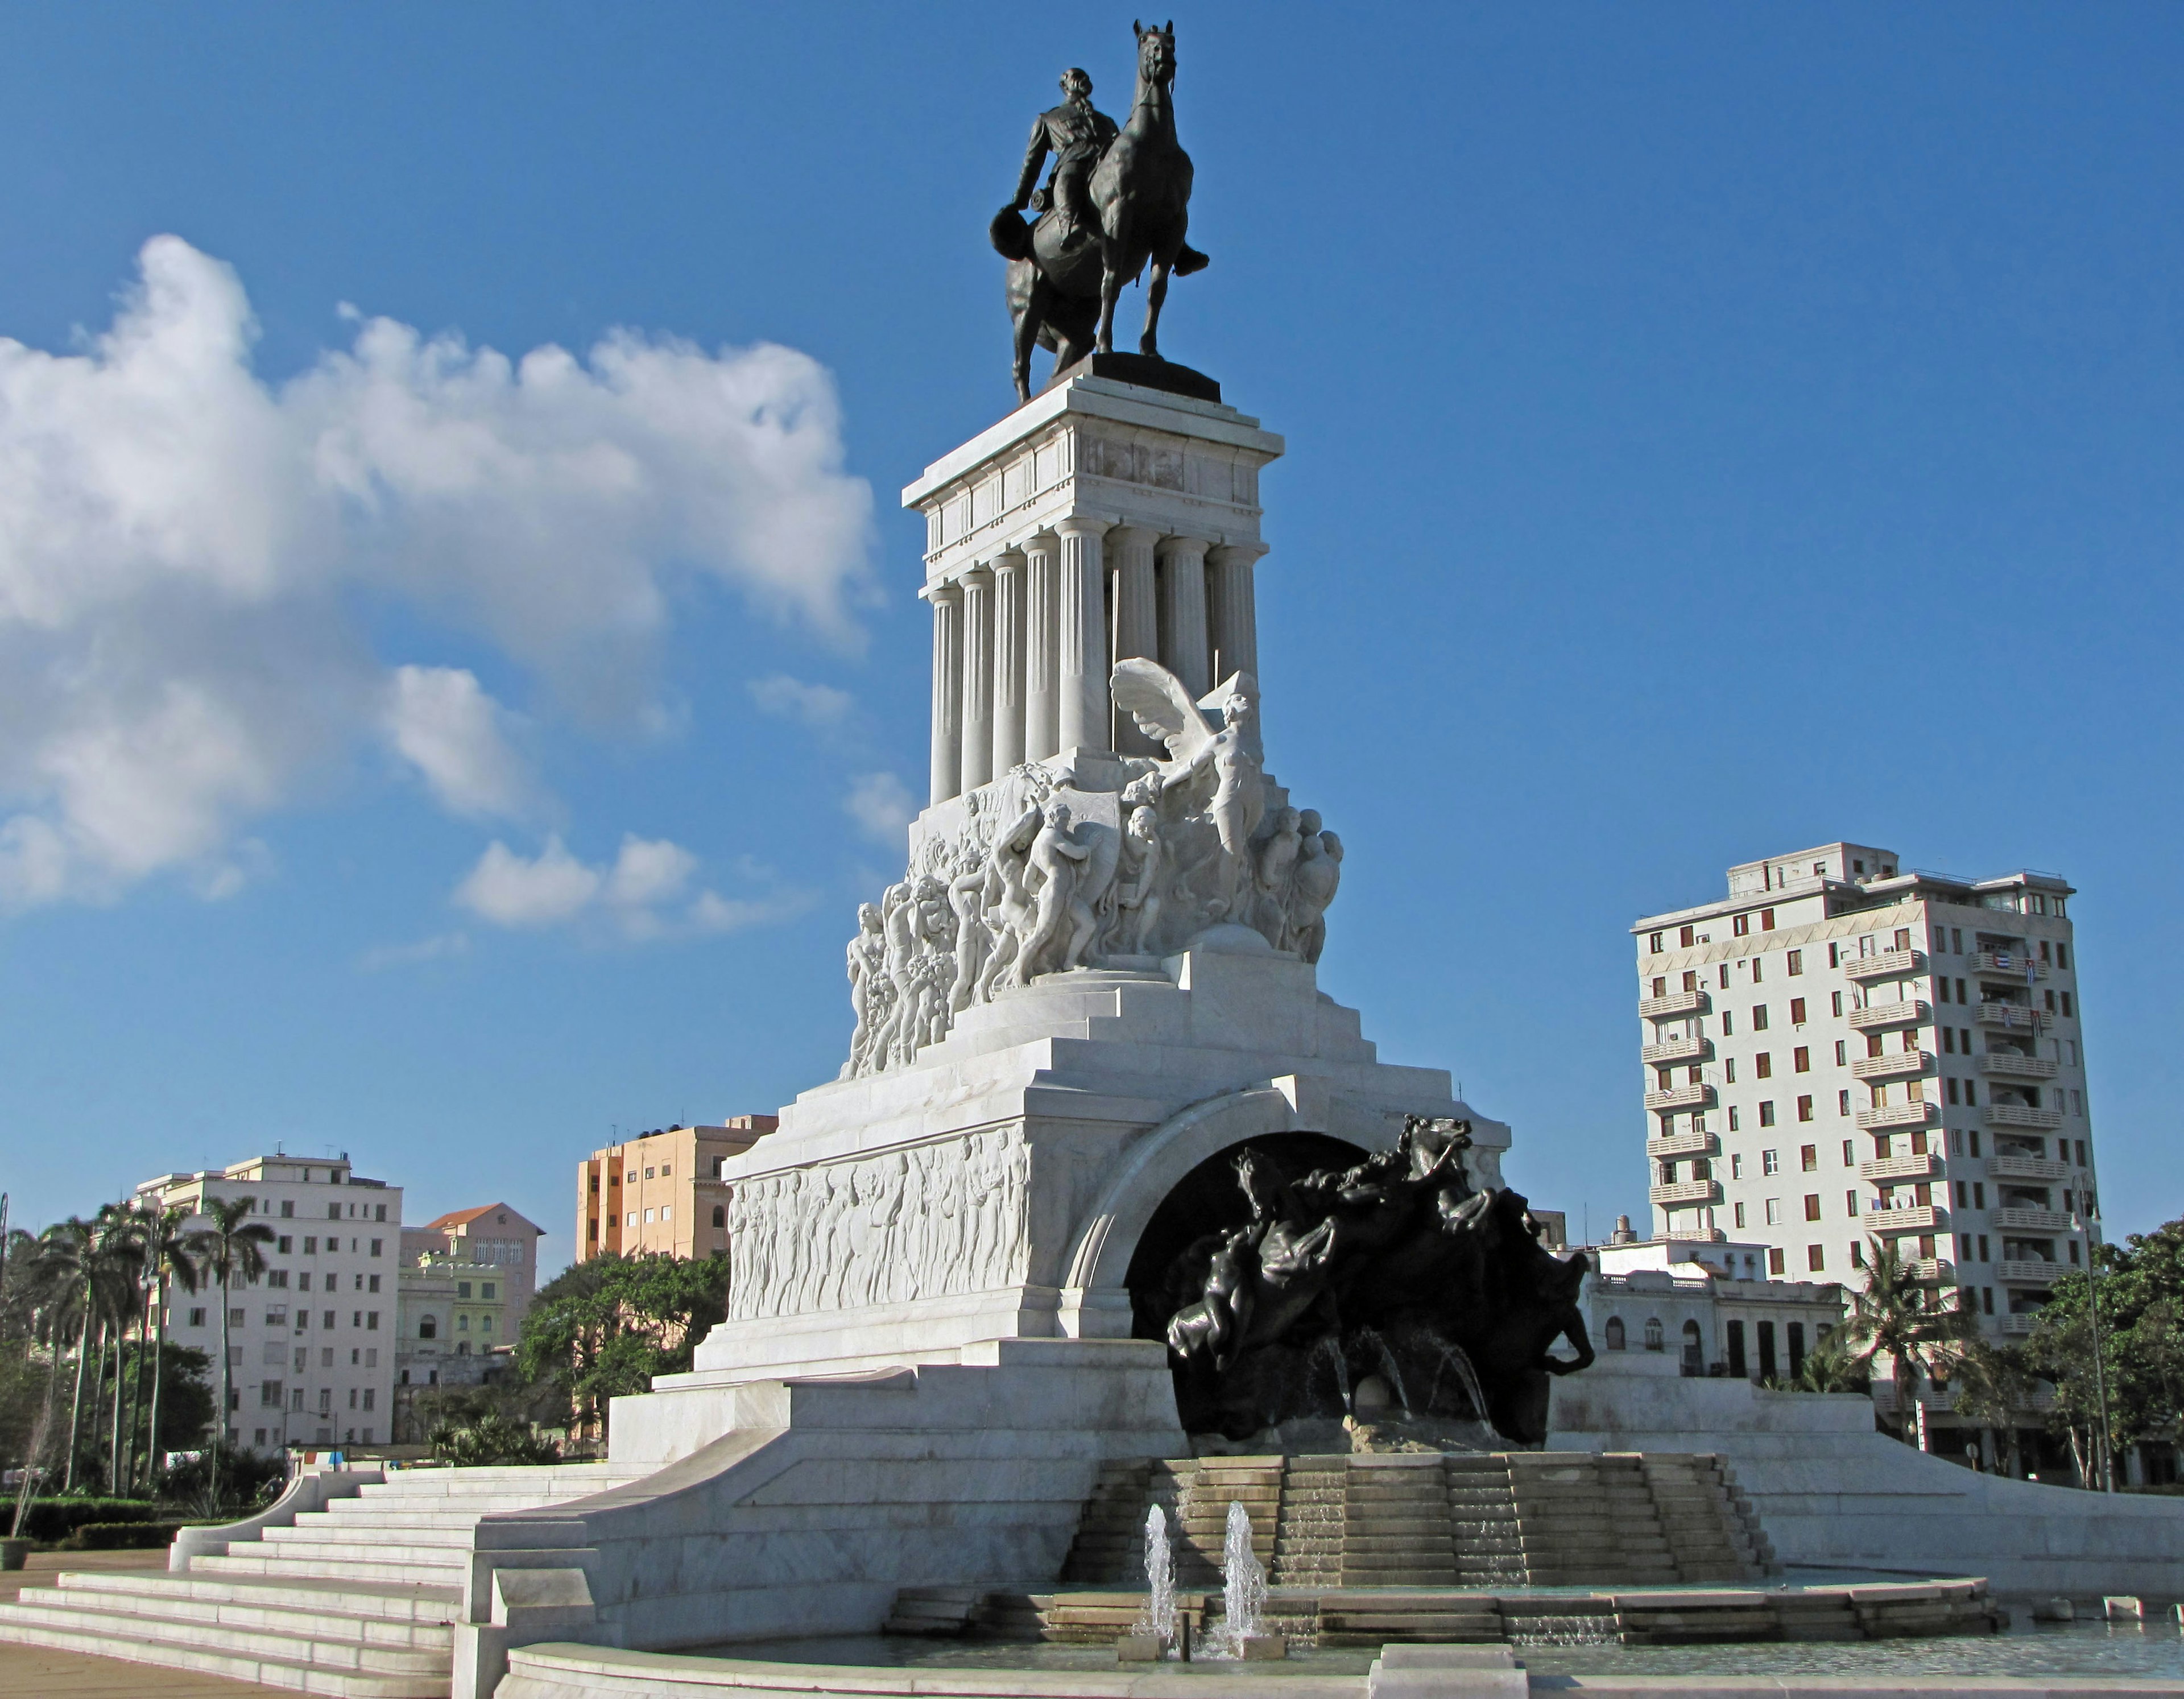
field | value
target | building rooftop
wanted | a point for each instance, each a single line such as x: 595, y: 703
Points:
x: 463, y: 1217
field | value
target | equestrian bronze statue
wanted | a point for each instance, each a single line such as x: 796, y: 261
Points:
x: 1117, y: 201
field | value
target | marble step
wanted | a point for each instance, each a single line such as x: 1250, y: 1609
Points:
x: 365, y: 1616
x: 292, y: 1642
x: 142, y: 1644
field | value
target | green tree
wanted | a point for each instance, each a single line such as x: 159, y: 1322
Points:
x: 603, y: 1328
x: 1830, y: 1367
x: 1993, y: 1385
x: 2140, y: 1366
x: 228, y: 1249
x: 1910, y: 1326
x: 170, y: 1263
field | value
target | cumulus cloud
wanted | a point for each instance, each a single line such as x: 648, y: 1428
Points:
x: 881, y: 805
x: 816, y: 705
x: 184, y: 550
x: 439, y: 948
x: 643, y: 893
x: 441, y: 721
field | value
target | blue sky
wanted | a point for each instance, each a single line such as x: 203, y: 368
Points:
x: 1711, y: 432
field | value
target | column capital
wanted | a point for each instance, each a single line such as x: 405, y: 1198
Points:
x: 947, y: 590
x: 1083, y: 525
x: 1181, y: 543
x: 1008, y: 561
x: 1125, y: 534
x: 976, y: 576
x: 1237, y: 554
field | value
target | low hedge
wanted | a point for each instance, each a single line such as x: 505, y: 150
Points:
x: 121, y: 1536
x: 50, y: 1520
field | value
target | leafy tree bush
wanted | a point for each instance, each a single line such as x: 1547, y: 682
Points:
x: 603, y: 1328
x: 2142, y: 1345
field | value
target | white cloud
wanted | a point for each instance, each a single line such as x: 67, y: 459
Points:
x: 440, y: 948
x: 815, y: 705
x: 644, y: 893
x: 441, y: 721
x: 508, y: 890
x: 881, y: 805
x: 188, y: 557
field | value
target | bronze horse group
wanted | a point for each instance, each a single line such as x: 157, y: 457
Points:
x: 1066, y: 272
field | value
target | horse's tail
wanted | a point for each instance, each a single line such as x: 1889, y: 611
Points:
x: 1010, y: 234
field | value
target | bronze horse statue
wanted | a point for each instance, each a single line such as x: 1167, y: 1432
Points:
x: 1066, y: 272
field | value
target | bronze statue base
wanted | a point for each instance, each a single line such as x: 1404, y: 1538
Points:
x: 1145, y: 373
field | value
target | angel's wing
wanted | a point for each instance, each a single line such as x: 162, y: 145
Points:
x: 1155, y: 697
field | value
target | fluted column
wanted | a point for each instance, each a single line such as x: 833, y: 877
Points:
x: 1234, y: 608
x: 1008, y: 661
x: 947, y: 691
x: 1041, y: 647
x: 978, y: 677
x: 1081, y: 622
x: 1136, y: 617
x: 1183, y: 645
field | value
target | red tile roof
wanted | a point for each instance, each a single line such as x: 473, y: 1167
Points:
x: 463, y: 1217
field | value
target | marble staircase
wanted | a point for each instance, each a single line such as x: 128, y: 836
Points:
x: 1442, y: 1521
x: 359, y: 1599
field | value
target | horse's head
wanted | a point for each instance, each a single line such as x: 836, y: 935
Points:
x: 1156, y: 51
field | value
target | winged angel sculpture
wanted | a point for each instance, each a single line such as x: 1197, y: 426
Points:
x: 1036, y: 874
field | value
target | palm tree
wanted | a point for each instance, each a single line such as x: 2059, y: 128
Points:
x: 66, y: 1256
x: 169, y: 1259
x: 120, y: 1288
x: 228, y: 1250
x: 1909, y: 1324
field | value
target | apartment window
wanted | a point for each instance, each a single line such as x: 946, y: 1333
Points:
x: 1796, y: 966
x: 1812, y: 1206
x: 1801, y: 1059
x: 1963, y: 1194
x: 1763, y: 1066
x: 1848, y: 1159
x: 1739, y: 1215
x: 1615, y: 1334
x: 1660, y: 986
x: 1690, y: 982
x: 374, y: 1282
x: 1815, y: 1262
x: 1741, y: 925
x: 1983, y: 1257
x: 1808, y: 1158
x: 1902, y: 940
x: 462, y: 1288
x: 1842, y: 1054
x: 1797, y: 1011
x: 1767, y: 1113
x: 234, y: 1319
x: 1971, y: 1096
x: 370, y: 1320
x: 1858, y: 1253
x: 378, y: 1213
x: 1951, y: 1088
x: 1766, y: 920
x: 2081, y: 1152
x: 1948, y: 1041
x: 1759, y: 1018
x: 485, y: 1291
x: 1960, y: 991
x: 196, y: 1318
x: 1770, y: 1162
x: 2066, y: 1003
x: 2062, y: 956
x: 288, y: 1206
x: 1729, y: 1070
x: 648, y: 1216
x: 631, y: 1222
x: 1757, y: 970
x: 1850, y: 1203
x: 376, y: 1245
x: 1835, y: 1004
x: 284, y: 1245
x: 1774, y: 1265
x: 1911, y: 1043
x: 333, y: 1211
x: 1687, y: 938
x: 1957, y: 947
x: 1656, y: 1338
x: 1940, y: 988
x: 1773, y: 1211
x: 1653, y: 943
x: 1728, y: 1024
x: 1835, y: 955
x: 1735, y: 1163
x: 1725, y: 976
x: 1979, y: 1194
x: 1735, y: 1332
x: 428, y: 1329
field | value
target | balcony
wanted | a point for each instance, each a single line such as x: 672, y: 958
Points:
x: 1676, y: 1050
x: 2004, y: 1167
x: 2017, y: 1324
x: 1894, y: 1115
x: 2012, y: 1065
x: 2022, y: 1115
x: 1676, y: 1003
x: 1931, y: 1271
x: 2032, y: 1273
x: 1993, y: 964
x: 1889, y: 964
x: 1912, y: 1011
x: 1679, y: 1097
x: 1891, y: 1064
x: 1685, y: 1193
x: 2009, y: 1018
x: 2030, y: 1221
x: 1674, y: 1148
x: 1894, y: 1223
x: 1893, y: 1171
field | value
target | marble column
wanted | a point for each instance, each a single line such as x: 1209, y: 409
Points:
x: 1081, y: 628
x: 1233, y: 610
x: 978, y: 677
x: 947, y: 691
x: 1008, y: 661
x: 1041, y: 647
x: 1184, y: 651
x: 1137, y: 619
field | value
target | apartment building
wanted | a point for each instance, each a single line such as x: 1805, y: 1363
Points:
x: 1704, y: 1302
x: 310, y: 1343
x: 1844, y: 1048
x: 661, y: 1191
x: 492, y: 1236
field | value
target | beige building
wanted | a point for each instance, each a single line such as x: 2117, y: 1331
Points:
x: 311, y: 1344
x: 1707, y: 1302
x: 1843, y: 1049
x: 493, y: 1236
x: 661, y: 1191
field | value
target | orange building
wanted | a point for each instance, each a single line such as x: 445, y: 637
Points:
x: 662, y: 1190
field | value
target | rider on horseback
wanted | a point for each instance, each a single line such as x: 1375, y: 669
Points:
x: 1077, y: 133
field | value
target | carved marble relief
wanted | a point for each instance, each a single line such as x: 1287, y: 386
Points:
x: 927, y: 1221
x: 1026, y: 885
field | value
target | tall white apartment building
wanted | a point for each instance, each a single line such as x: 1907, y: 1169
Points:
x: 1846, y: 1048
x: 311, y: 1344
